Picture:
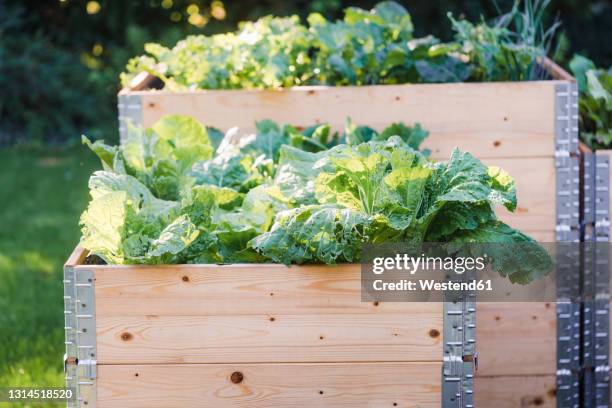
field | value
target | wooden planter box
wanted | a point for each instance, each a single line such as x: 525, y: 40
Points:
x: 245, y: 336
x: 273, y: 336
x: 527, y: 128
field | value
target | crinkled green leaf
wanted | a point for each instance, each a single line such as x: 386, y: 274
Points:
x: 174, y: 239
x: 357, y: 180
x: 231, y: 169
x: 513, y: 253
x: 405, y: 195
x: 319, y: 233
x: 503, y: 191
x: 296, y: 173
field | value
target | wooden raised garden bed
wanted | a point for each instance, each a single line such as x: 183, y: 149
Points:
x: 246, y: 336
x: 527, y: 128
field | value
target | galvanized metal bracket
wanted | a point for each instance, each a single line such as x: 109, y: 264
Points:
x: 602, y: 197
x: 567, y: 169
x: 460, y: 358
x: 567, y: 165
x: 595, y: 281
x: 566, y: 117
x: 568, y: 326
x: 567, y: 162
x: 80, y: 332
x: 568, y: 354
x: 130, y: 110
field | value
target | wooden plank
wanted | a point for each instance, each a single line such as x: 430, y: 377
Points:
x: 140, y: 82
x: 510, y: 339
x: 188, y: 290
x: 516, y: 338
x: 513, y: 392
x: 555, y: 71
x: 535, y: 186
x: 542, y: 236
x: 270, y: 385
x: 266, y: 338
x: 77, y: 257
x: 262, y: 289
x: 489, y: 119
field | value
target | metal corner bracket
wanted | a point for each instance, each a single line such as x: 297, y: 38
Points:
x: 80, y: 362
x: 567, y: 215
x: 567, y: 163
x: 130, y: 110
x: 460, y: 360
x: 595, y: 282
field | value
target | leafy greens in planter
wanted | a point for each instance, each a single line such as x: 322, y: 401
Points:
x: 595, y: 102
x: 366, y: 47
x: 386, y: 192
x: 167, y: 195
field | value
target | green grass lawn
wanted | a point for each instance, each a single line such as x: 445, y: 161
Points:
x: 42, y: 193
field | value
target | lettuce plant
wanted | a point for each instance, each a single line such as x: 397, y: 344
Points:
x: 167, y: 195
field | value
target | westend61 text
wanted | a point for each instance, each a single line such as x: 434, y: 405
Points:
x: 432, y: 285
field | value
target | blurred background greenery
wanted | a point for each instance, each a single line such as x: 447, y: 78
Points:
x: 59, y: 67
x: 60, y: 59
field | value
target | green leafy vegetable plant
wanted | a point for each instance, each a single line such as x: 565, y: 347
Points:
x: 595, y: 102
x: 168, y: 195
x: 366, y: 47
x: 511, y: 48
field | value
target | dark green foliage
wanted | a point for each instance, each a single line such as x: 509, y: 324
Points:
x: 43, y: 94
x: 595, y: 102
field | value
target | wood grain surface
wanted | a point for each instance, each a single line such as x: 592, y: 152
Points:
x: 516, y: 392
x: 382, y: 385
x: 491, y: 120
